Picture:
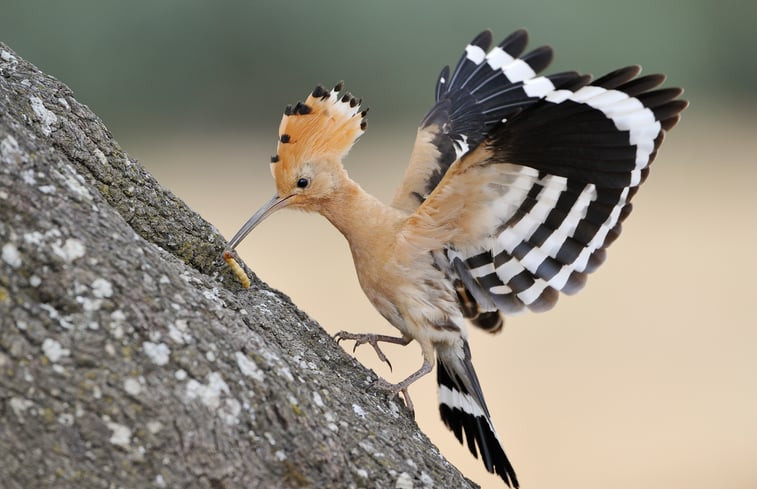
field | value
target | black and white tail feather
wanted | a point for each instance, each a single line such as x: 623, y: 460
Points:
x: 463, y: 410
x: 578, y: 151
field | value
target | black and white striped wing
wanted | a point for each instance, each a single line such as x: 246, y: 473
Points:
x: 484, y: 89
x: 575, y: 161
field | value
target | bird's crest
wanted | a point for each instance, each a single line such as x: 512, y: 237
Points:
x: 326, y: 125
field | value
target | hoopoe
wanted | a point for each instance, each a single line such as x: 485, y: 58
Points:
x: 517, y: 184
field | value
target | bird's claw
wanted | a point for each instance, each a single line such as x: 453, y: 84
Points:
x: 361, y: 339
x: 395, y: 390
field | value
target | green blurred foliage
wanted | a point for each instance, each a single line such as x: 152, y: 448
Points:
x: 142, y: 64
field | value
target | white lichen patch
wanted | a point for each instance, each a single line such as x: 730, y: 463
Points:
x: 178, y: 332
x: 209, y: 394
x: 362, y: 473
x: 7, y: 57
x: 53, y: 350
x: 28, y: 177
x: 121, y: 434
x: 426, y: 480
x: 9, y: 149
x: 229, y: 411
x: 180, y: 374
x: 47, y: 189
x: 45, y: 116
x: 358, y: 410
x: 76, y: 185
x: 89, y: 304
x: 369, y: 448
x: 9, y: 62
x: 154, y: 426
x: 280, y: 455
x: 117, y: 331
x: 66, y: 419
x: 33, y: 238
x: 71, y: 249
x: 100, y: 156
x: 132, y: 386
x: 249, y: 367
x: 102, y: 288
x: 117, y: 317
x: 35, y: 281
x: 11, y: 256
x: 330, y: 417
x: 287, y: 374
x: 64, y: 322
x: 159, y: 353
x: 404, y: 481
x: 213, y: 295
x: 19, y: 407
x: 317, y: 399
x: 270, y: 438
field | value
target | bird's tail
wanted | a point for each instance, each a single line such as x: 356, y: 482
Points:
x: 463, y: 410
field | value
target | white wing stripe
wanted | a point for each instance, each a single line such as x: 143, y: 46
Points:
x: 497, y: 58
x: 518, y: 70
x: 511, y: 237
x: 568, y: 226
x: 500, y: 290
x: 532, y: 293
x: 483, y: 270
x: 584, y: 94
x: 474, y: 53
x: 538, y: 87
x: 508, y: 270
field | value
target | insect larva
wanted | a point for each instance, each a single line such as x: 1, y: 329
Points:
x: 228, y: 257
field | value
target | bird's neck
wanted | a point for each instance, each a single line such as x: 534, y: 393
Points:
x: 362, y: 218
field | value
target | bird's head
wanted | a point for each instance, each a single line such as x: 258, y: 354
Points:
x: 314, y: 136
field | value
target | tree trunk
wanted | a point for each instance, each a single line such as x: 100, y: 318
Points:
x: 129, y: 354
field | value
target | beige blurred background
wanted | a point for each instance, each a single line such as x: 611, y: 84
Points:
x: 648, y: 378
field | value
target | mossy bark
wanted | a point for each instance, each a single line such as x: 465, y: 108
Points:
x: 129, y: 354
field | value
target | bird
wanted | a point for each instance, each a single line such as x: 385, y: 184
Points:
x: 516, y: 185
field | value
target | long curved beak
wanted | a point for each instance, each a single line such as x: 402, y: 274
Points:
x: 268, y: 208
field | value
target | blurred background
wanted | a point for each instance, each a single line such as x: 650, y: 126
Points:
x: 648, y: 378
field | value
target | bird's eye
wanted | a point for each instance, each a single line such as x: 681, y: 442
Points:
x: 303, y: 182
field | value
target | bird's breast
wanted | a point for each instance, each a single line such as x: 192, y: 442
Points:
x: 414, y: 297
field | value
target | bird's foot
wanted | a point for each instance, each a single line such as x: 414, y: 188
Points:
x: 396, y: 390
x: 371, y: 339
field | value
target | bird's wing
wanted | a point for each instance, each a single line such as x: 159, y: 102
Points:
x: 483, y: 89
x: 530, y: 210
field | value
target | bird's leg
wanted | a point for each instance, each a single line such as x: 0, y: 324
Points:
x: 372, y: 339
x: 401, y: 387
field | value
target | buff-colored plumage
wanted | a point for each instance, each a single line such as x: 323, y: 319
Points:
x: 516, y: 185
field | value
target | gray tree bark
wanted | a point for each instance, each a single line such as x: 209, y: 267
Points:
x: 129, y: 354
